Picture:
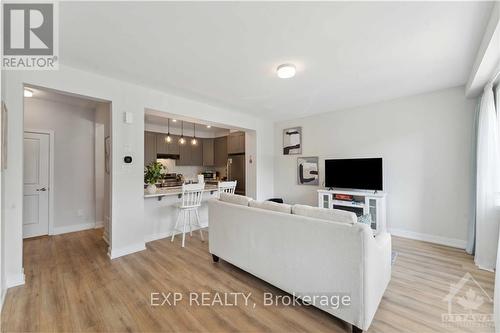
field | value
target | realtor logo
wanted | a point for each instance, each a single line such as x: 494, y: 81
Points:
x: 29, y: 36
x: 468, y: 304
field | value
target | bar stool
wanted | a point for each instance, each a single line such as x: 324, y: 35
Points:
x: 226, y: 187
x: 191, y: 200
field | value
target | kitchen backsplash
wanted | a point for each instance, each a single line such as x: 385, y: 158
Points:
x: 189, y: 172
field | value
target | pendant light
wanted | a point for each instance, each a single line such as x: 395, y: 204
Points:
x: 182, y: 140
x: 194, y: 141
x: 168, y: 139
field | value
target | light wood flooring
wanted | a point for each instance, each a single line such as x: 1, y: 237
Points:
x: 71, y: 285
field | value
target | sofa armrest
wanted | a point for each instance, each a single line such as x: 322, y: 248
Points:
x: 377, y: 273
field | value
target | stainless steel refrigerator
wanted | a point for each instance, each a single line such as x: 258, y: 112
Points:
x: 236, y: 171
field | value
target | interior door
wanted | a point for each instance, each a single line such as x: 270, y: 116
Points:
x: 36, y: 184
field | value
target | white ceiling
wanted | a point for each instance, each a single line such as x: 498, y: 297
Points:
x: 59, y: 97
x: 162, y: 120
x: 225, y: 53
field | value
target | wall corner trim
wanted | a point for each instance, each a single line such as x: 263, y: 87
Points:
x: 120, y: 252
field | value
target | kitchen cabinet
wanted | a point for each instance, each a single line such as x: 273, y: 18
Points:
x: 197, y: 152
x: 190, y: 154
x: 184, y: 153
x: 161, y: 143
x: 220, y: 151
x: 149, y: 148
x: 208, y: 152
x: 164, y: 147
x: 236, y: 143
x: 173, y: 146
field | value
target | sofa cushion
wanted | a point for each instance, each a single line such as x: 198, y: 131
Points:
x: 235, y: 199
x: 335, y: 215
x: 269, y: 205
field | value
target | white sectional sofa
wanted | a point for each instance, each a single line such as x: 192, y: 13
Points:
x: 304, y: 255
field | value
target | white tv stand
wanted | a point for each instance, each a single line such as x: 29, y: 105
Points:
x: 363, y: 202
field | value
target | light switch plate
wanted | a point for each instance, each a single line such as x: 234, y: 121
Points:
x: 129, y: 117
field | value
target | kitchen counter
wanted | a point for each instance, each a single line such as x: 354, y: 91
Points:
x: 176, y: 190
x: 161, y: 211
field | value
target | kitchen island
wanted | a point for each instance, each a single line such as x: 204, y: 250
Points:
x: 160, y: 210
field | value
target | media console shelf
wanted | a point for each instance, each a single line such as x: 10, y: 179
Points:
x: 363, y: 202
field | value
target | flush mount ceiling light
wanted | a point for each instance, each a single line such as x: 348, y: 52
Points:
x: 174, y: 120
x: 208, y: 126
x: 286, y: 71
x: 28, y: 93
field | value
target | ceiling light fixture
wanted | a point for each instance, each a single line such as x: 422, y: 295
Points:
x: 182, y: 140
x: 208, y: 126
x: 28, y: 93
x: 174, y: 120
x: 194, y: 141
x: 286, y: 71
x: 168, y: 139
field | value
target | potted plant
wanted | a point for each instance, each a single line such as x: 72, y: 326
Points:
x: 152, y: 174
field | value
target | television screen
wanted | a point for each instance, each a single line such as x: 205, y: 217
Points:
x: 356, y: 173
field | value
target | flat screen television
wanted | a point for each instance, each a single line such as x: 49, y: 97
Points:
x: 354, y: 173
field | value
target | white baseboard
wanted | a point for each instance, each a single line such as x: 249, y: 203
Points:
x: 73, y: 228
x: 120, y: 252
x: 99, y: 224
x: 453, y: 242
x: 161, y: 235
x: 2, y: 300
x: 14, y: 280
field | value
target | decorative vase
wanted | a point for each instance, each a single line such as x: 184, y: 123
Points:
x: 151, y: 188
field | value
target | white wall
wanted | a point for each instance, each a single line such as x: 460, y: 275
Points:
x: 127, y: 139
x: 101, y: 123
x: 73, y: 126
x: 425, y: 142
x: 3, y: 281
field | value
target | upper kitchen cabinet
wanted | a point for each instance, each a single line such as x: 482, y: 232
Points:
x: 220, y: 151
x: 185, y: 153
x: 149, y: 148
x: 208, y: 152
x: 197, y: 152
x: 164, y: 147
x: 236, y: 143
x: 161, y: 143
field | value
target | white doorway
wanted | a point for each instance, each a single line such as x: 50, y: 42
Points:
x: 37, y: 191
x: 76, y: 195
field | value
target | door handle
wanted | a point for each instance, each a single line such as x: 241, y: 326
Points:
x: 43, y: 189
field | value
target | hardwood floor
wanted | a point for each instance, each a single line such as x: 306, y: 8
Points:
x: 71, y: 285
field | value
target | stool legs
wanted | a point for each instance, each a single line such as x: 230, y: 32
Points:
x: 184, y: 229
x: 176, y: 224
x: 199, y: 224
x: 190, y: 225
x: 187, y: 223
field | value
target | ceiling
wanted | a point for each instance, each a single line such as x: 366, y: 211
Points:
x: 59, y: 97
x: 226, y: 53
x: 162, y: 120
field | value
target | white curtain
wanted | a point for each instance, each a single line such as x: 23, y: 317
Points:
x: 488, y: 182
